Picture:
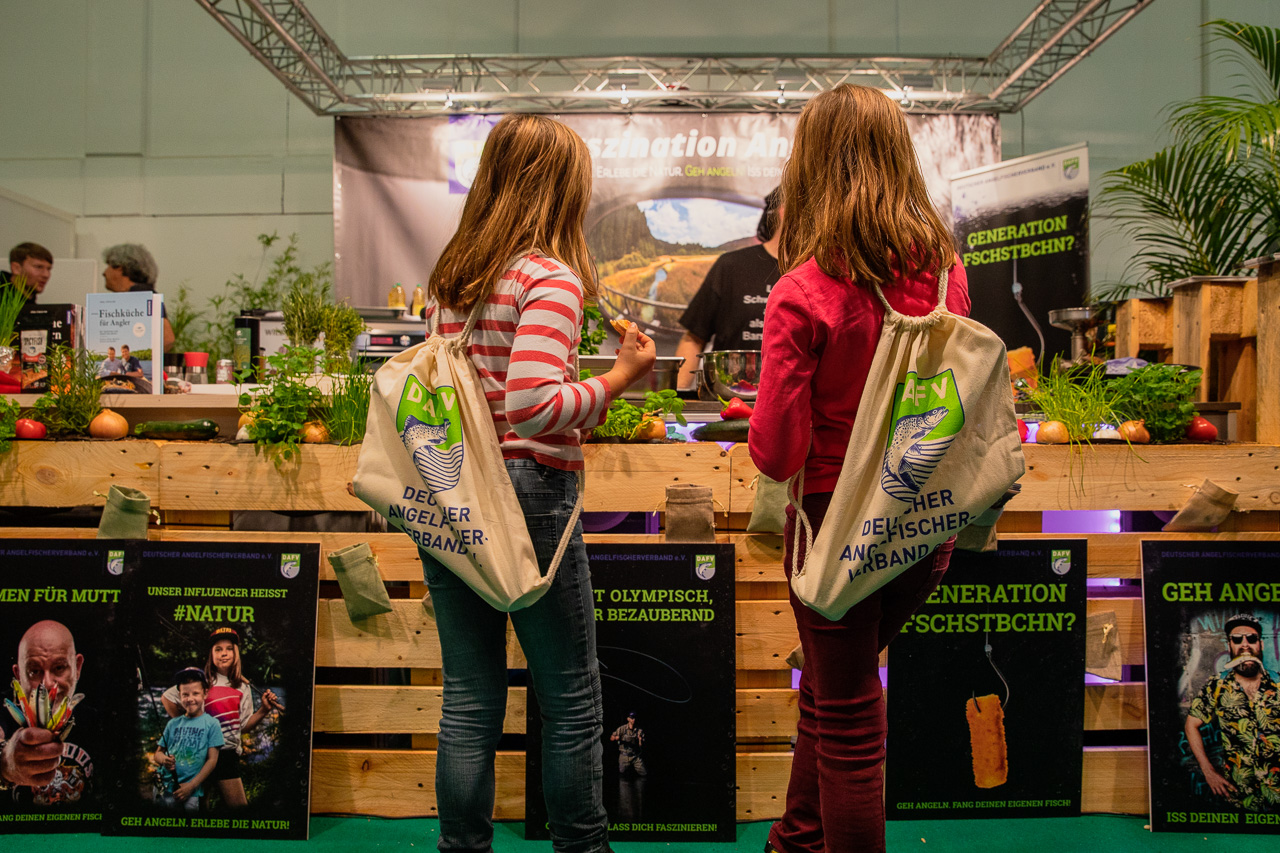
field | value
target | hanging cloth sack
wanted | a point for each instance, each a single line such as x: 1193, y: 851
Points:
x: 935, y: 443
x: 431, y: 465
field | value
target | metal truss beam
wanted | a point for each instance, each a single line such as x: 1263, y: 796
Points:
x: 283, y: 36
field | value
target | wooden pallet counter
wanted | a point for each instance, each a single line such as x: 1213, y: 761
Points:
x: 196, y: 486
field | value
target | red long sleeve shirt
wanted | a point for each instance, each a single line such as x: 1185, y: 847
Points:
x: 820, y: 334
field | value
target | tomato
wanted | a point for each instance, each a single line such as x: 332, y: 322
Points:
x: 25, y: 428
x: 1022, y: 430
x: 1201, y: 430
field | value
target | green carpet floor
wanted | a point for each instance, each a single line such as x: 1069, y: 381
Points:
x: 1093, y: 834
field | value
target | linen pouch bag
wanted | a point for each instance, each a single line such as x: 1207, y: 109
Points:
x: 689, y: 514
x: 125, y: 514
x: 934, y: 444
x: 363, y: 591
x: 769, y: 510
x: 431, y: 465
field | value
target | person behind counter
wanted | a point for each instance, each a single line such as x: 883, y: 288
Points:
x: 519, y: 252
x: 728, y: 308
x: 130, y: 268
x: 35, y: 263
x: 858, y: 213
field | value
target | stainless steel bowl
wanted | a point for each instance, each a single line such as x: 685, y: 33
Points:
x: 732, y: 373
x: 661, y: 378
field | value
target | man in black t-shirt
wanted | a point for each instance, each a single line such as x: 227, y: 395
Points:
x: 728, y: 308
x: 34, y: 263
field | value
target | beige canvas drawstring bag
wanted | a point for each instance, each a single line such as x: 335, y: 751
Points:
x: 935, y: 443
x: 432, y: 466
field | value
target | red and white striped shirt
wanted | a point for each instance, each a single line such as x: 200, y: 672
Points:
x: 525, y: 348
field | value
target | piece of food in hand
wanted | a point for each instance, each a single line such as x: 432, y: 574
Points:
x: 620, y: 325
x: 650, y: 428
x: 735, y: 409
x: 1239, y: 659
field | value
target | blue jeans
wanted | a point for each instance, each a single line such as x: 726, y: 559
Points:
x: 558, y: 636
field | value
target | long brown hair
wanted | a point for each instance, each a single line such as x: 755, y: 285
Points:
x: 854, y: 196
x: 234, y: 676
x: 531, y: 192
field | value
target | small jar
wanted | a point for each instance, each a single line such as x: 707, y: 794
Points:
x: 224, y: 370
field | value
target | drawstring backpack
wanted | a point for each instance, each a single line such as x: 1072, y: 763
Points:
x: 934, y: 444
x: 432, y: 466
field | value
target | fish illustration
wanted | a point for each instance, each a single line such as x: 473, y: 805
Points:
x: 909, y: 460
x: 439, y: 467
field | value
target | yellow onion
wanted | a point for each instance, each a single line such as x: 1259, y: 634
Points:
x: 1052, y: 432
x: 1134, y: 432
x: 649, y: 429
x: 245, y: 420
x: 109, y: 424
x: 313, y: 432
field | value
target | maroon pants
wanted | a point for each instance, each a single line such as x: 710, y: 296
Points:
x: 835, y: 800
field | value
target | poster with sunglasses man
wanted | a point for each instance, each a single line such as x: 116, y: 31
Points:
x: 1212, y: 622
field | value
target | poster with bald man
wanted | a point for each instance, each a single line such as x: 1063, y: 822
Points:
x: 1212, y: 620
x: 59, y: 602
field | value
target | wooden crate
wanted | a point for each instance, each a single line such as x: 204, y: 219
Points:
x: 200, y: 481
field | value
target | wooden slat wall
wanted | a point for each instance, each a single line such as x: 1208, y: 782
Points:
x: 200, y: 484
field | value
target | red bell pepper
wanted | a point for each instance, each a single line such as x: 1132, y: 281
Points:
x: 735, y: 409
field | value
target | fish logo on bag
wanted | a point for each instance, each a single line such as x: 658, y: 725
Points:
x: 430, y: 425
x: 925, y: 418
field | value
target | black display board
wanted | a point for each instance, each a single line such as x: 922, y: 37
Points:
x: 182, y: 593
x: 998, y: 733
x: 58, y: 613
x: 1191, y: 591
x: 665, y: 640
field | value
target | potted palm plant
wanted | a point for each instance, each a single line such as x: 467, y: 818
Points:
x: 1211, y: 199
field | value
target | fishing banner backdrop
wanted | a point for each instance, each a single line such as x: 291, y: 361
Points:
x: 221, y: 641
x: 1023, y: 235
x: 986, y: 688
x: 59, y: 609
x: 665, y: 640
x: 1212, y: 623
x: 670, y: 194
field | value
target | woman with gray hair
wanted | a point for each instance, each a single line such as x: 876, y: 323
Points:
x: 130, y: 268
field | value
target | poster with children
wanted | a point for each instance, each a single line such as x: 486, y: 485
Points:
x: 215, y: 736
x: 58, y: 605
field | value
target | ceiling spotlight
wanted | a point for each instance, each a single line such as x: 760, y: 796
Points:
x: 782, y: 93
x: 625, y: 100
x: 448, y: 100
x: 904, y: 97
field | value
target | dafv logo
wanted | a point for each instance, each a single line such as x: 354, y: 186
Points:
x: 925, y: 418
x: 430, y: 424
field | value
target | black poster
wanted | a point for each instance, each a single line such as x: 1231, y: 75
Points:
x: 1213, y: 706
x: 665, y: 640
x: 986, y: 688
x: 58, y: 606
x: 1022, y: 226
x: 214, y: 732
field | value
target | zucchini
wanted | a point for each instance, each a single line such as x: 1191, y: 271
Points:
x: 202, y: 429
x: 731, y: 430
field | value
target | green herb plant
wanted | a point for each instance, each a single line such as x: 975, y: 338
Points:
x: 9, y: 411
x: 1079, y: 397
x: 304, y: 309
x: 13, y: 296
x: 665, y: 402
x: 284, y: 404
x: 347, y: 412
x: 620, y: 422
x: 72, y: 400
x: 593, y: 330
x: 1162, y: 395
x: 341, y: 325
x: 184, y: 318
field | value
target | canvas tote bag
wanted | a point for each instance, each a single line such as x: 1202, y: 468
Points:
x: 935, y: 443
x: 431, y: 465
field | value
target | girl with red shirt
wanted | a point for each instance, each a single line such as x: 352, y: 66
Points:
x: 857, y: 213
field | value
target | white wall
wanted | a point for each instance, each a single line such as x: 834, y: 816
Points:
x: 151, y: 124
